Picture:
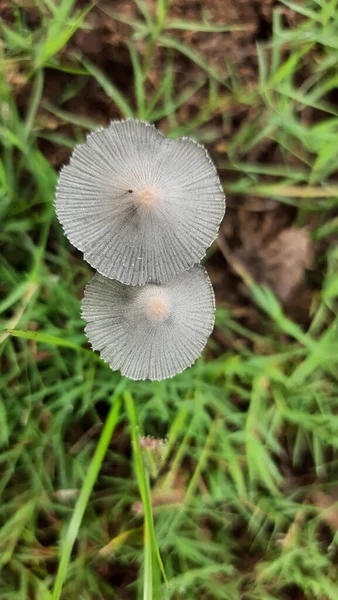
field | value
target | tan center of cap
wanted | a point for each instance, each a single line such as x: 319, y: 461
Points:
x: 158, y: 308
x: 146, y: 197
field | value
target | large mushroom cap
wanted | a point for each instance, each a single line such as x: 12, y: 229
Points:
x: 152, y: 331
x: 139, y: 206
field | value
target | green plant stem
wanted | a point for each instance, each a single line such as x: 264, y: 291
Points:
x: 151, y: 551
x: 89, y: 482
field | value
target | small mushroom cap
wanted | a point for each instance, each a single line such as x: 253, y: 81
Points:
x: 139, y: 206
x: 152, y: 331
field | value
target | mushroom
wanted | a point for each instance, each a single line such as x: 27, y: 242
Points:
x: 152, y: 331
x: 139, y: 206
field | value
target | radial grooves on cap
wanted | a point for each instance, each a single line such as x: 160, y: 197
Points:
x: 140, y: 349
x: 121, y: 238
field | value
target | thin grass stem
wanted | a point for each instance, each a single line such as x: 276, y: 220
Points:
x: 87, y: 488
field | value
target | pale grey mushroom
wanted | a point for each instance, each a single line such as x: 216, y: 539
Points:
x: 152, y: 331
x: 139, y: 206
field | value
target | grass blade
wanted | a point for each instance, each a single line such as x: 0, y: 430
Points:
x: 204, y: 27
x: 60, y: 32
x: 194, y: 56
x: 86, y: 491
x: 110, y: 89
x: 139, y: 81
x: 151, y: 550
x: 35, y: 101
x: 45, y: 338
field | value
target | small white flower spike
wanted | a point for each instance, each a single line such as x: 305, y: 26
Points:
x: 139, y: 206
x: 152, y: 331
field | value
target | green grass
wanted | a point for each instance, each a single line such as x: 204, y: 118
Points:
x: 244, y: 504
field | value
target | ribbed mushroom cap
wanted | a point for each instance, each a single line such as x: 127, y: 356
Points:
x: 152, y: 331
x: 139, y: 206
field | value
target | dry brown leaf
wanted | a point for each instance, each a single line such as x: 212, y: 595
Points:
x: 328, y: 508
x: 280, y: 263
x: 163, y: 494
